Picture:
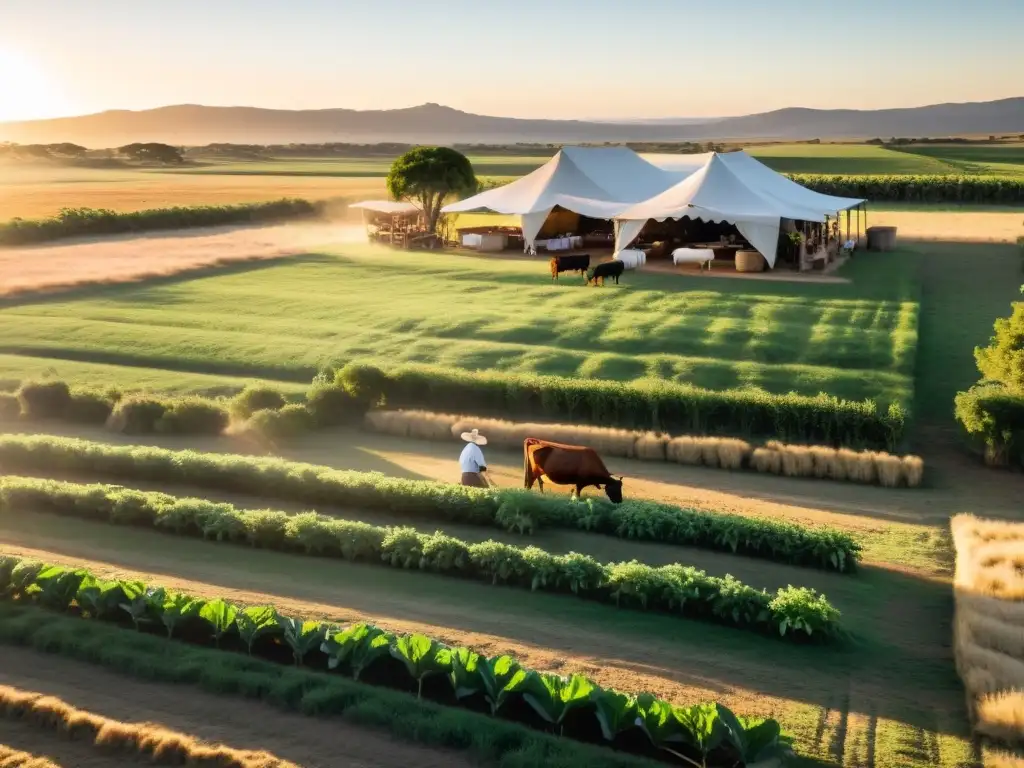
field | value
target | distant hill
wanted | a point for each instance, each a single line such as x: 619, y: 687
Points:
x: 197, y: 125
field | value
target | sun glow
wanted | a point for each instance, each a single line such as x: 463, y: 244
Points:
x: 26, y: 92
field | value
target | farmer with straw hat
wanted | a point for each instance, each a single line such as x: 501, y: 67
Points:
x: 472, y: 460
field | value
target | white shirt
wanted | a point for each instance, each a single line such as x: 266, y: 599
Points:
x: 472, y: 458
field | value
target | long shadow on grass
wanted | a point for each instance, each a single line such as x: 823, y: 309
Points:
x: 899, y: 654
x: 128, y: 290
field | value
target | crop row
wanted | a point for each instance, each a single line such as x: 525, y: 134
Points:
x: 870, y: 467
x: 572, y: 706
x: 792, y: 612
x: 78, y: 222
x: 514, y: 510
x: 15, y: 758
x: 919, y: 189
x: 160, y: 745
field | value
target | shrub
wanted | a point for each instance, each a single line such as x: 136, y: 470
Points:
x: 366, y: 383
x: 90, y: 407
x: 993, y: 418
x: 283, y: 424
x: 10, y: 406
x: 255, y: 397
x: 44, y: 399
x: 193, y: 416
x: 772, y: 539
x: 1002, y: 360
x: 331, y: 405
x: 136, y: 415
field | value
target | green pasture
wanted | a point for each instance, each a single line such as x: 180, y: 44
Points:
x: 282, y: 323
x: 983, y: 159
x: 846, y: 159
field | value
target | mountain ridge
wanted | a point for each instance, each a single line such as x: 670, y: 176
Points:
x: 196, y: 124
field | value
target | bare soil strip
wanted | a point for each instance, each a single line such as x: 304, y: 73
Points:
x: 243, y: 724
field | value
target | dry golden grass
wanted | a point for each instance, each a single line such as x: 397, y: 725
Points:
x: 59, y: 267
x: 38, y: 192
x: 163, y: 746
x: 999, y: 759
x: 720, y: 452
x: 12, y: 758
x: 989, y: 624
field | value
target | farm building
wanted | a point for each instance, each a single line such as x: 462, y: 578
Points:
x: 389, y: 221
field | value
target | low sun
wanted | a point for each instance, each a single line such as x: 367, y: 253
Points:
x: 25, y: 90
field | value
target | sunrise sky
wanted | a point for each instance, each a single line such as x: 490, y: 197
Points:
x: 528, y: 58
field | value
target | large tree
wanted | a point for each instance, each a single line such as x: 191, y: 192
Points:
x: 429, y: 176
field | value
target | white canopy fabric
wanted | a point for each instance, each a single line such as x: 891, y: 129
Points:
x: 386, y: 206
x: 592, y: 181
x: 736, y: 189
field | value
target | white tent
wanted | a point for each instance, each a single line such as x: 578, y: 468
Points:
x: 736, y: 189
x: 592, y: 181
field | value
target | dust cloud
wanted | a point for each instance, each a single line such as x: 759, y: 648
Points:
x: 130, y: 259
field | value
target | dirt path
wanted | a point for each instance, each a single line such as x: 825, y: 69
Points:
x: 235, y: 722
x: 158, y: 254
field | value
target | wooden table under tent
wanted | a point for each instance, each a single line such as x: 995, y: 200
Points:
x: 745, y: 214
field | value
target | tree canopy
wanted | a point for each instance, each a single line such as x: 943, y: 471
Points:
x: 1003, y: 359
x: 428, y: 176
x: 152, y: 153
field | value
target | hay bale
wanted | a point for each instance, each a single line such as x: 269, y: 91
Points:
x: 766, y: 460
x: 684, y: 450
x: 796, y: 461
x: 651, y: 446
x: 708, y: 451
x: 858, y: 465
x: 733, y: 453
x: 888, y: 469
x: 822, y: 457
x: 913, y: 470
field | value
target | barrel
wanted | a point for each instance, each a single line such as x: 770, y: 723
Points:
x: 749, y: 261
x: 881, y: 238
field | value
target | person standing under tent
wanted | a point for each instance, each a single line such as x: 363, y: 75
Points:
x: 472, y: 462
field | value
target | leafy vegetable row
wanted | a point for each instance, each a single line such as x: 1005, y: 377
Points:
x: 702, y: 734
x: 513, y: 510
x: 792, y: 612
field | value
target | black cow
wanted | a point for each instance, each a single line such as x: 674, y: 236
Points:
x: 579, y: 262
x: 612, y: 269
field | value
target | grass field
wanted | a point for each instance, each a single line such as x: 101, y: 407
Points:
x: 282, y: 323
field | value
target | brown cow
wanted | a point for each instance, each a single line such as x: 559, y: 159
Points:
x: 567, y: 465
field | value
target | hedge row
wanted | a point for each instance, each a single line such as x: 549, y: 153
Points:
x: 75, y: 222
x: 870, y: 467
x: 709, y: 733
x: 918, y: 189
x: 646, y: 405
x: 515, y: 510
x: 257, y: 409
x: 675, y: 589
x: 993, y: 418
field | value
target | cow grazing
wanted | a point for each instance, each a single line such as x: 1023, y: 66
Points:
x: 612, y: 269
x: 579, y: 262
x: 567, y: 465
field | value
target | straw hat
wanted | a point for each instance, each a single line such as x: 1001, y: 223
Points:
x: 474, y: 437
